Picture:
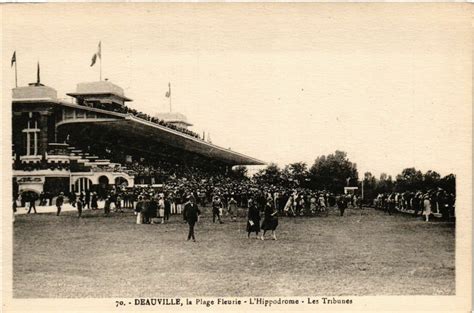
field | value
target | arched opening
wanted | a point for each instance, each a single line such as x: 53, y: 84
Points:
x: 82, y: 184
x: 103, y: 186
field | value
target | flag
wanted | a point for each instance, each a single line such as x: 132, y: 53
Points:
x: 168, y: 93
x: 97, y: 54
x: 99, y: 50
x: 94, y: 57
x: 38, y: 73
x: 13, y: 58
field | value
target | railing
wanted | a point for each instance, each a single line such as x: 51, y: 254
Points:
x: 30, y: 158
x: 18, y: 166
x: 58, y: 149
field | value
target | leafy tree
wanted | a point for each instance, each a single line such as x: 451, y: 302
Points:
x: 333, y: 172
x: 270, y: 175
x: 431, y: 179
x: 370, y: 185
x: 409, y: 180
x: 296, y: 172
x: 448, y: 183
x: 384, y: 184
x: 240, y: 172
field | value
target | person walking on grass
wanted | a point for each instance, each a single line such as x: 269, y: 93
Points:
x: 87, y: 199
x: 72, y: 198
x: 253, y: 219
x: 167, y: 208
x: 161, y: 208
x: 216, y: 209
x: 94, y: 200
x: 270, y: 221
x: 191, y: 215
x: 427, y: 207
x: 59, y: 203
x: 32, y: 202
x: 79, y: 206
x: 232, y: 209
x: 138, y: 210
x: 341, y: 204
x: 107, y: 206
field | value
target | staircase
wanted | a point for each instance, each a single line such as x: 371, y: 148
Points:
x: 90, y: 162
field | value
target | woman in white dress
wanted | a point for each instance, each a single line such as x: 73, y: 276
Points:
x: 426, y: 207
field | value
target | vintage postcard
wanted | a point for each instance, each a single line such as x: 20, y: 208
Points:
x: 236, y: 157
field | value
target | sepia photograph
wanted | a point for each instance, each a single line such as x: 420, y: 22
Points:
x: 256, y: 155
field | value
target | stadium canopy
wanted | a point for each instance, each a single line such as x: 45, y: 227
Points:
x: 130, y: 126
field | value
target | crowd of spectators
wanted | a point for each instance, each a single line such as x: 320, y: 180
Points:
x: 178, y: 181
x: 436, y: 202
x: 207, y: 186
x: 35, y: 166
x: 126, y: 110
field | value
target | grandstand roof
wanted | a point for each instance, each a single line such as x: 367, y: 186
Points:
x: 126, y: 124
x: 132, y: 125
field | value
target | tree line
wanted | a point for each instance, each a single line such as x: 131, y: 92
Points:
x: 335, y: 171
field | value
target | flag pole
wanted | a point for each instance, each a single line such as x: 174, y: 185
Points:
x: 38, y: 78
x: 100, y: 65
x: 16, y: 74
x: 169, y: 93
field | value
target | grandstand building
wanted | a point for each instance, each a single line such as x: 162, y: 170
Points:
x: 93, y: 141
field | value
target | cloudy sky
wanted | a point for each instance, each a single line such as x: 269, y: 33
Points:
x: 388, y: 84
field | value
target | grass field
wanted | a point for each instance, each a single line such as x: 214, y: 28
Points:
x: 363, y: 253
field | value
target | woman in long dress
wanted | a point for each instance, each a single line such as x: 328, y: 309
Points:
x: 290, y: 206
x: 313, y: 206
x: 427, y: 207
x: 232, y: 209
x: 253, y: 220
x: 270, y: 221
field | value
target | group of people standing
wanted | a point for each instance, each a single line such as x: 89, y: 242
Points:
x: 435, y: 202
x: 151, y: 207
x: 270, y: 219
x: 191, y: 214
x: 156, y: 208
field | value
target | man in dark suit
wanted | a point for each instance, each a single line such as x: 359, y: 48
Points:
x: 191, y: 215
x: 342, y: 204
x: 59, y: 203
x: 30, y: 198
x: 87, y: 199
x: 167, y: 209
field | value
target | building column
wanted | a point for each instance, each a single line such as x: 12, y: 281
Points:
x: 43, y: 135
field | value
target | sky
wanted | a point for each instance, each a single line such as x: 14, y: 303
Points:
x: 388, y: 84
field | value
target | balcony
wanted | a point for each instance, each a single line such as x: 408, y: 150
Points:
x: 30, y: 158
x: 58, y: 149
